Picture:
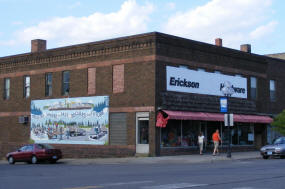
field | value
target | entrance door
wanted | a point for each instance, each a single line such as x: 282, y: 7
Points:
x: 142, y: 136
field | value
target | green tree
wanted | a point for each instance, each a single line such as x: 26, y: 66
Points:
x: 279, y: 123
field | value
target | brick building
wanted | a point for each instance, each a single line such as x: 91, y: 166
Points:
x: 140, y: 77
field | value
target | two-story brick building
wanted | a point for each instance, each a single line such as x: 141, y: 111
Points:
x: 120, y: 87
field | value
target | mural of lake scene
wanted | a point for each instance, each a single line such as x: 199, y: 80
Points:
x: 81, y: 120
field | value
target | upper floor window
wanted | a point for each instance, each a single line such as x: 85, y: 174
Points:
x: 65, y: 82
x: 48, y: 88
x: 6, y: 88
x: 272, y: 90
x: 253, y: 88
x: 27, y: 86
x: 91, y: 81
x: 118, y: 78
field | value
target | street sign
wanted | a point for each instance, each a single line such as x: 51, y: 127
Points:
x: 229, y: 119
x: 224, y: 104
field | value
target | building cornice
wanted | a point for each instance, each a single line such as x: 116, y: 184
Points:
x: 76, y: 52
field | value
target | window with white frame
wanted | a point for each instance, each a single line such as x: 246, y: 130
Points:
x: 272, y: 88
x: 48, y: 91
x: 253, y: 88
x: 6, y: 88
x: 27, y: 86
x: 65, y: 82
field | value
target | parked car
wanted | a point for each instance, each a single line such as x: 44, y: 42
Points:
x: 93, y: 137
x: 33, y: 153
x: 78, y: 132
x: 277, y: 149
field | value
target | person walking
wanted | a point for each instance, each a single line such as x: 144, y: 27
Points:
x: 201, y: 142
x: 216, y: 139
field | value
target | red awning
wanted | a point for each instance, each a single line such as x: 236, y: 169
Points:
x: 216, y: 117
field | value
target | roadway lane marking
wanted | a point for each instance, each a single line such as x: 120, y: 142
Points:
x: 174, y: 186
x: 128, y: 183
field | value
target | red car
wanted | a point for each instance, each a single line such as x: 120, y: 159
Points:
x: 33, y: 153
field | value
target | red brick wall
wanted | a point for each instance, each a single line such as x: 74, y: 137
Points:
x: 132, y: 64
x: 95, y: 151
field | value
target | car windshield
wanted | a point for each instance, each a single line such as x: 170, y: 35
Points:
x: 279, y: 141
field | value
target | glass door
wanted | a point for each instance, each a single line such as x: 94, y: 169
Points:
x: 142, y: 133
x: 143, y: 130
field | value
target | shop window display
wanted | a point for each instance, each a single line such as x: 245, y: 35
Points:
x: 190, y: 131
x: 241, y: 133
x: 170, y: 134
x: 246, y: 135
x: 180, y: 133
x: 184, y: 133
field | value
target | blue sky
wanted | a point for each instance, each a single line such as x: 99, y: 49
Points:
x: 260, y: 23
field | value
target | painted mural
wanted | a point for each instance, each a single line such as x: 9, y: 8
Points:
x: 81, y: 120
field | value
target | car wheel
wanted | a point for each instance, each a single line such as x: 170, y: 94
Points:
x: 34, y: 160
x: 265, y: 157
x: 11, y: 160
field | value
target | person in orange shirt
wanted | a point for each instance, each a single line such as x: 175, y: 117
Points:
x: 216, y: 139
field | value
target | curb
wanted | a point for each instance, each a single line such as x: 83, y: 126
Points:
x: 183, y: 159
x: 155, y: 160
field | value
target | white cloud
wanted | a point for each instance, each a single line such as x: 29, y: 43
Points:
x: 132, y: 18
x: 171, y: 6
x: 263, y: 30
x: 232, y: 20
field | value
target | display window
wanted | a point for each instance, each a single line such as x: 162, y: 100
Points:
x: 241, y: 134
x: 184, y: 133
x: 180, y: 133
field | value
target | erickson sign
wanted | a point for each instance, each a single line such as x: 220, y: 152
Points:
x: 200, y: 82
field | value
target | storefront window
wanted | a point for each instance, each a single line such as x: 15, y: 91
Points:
x: 235, y: 134
x: 171, y: 133
x: 246, y: 134
x: 190, y: 131
x: 180, y: 133
x: 184, y: 133
x: 241, y: 133
x: 212, y: 126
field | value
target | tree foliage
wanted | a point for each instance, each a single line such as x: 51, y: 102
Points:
x: 279, y: 123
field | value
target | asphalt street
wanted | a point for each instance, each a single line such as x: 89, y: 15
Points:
x: 236, y: 174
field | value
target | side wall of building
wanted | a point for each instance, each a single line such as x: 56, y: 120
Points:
x: 137, y: 56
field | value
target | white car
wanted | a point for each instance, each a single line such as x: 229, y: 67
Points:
x: 277, y: 149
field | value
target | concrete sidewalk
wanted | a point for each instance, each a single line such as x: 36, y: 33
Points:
x: 206, y: 158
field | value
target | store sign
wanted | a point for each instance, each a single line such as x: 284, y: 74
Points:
x: 80, y: 120
x: 200, y: 82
